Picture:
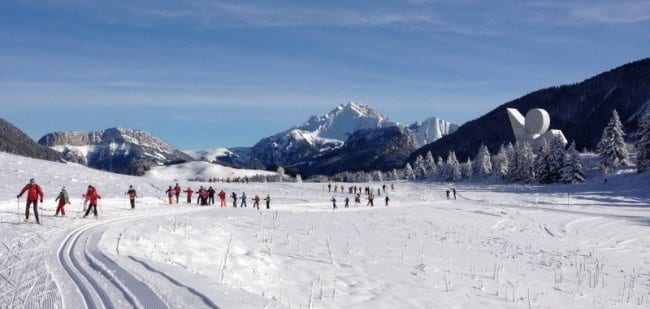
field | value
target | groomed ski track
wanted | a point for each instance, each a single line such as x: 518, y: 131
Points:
x: 99, y: 282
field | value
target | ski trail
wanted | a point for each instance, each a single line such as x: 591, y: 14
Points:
x: 205, y: 299
x: 92, y: 294
x: 99, y: 281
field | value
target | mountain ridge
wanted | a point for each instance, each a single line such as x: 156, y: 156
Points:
x: 120, y: 150
x: 301, y: 145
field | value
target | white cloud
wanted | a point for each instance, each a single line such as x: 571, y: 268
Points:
x: 615, y: 12
x: 233, y: 14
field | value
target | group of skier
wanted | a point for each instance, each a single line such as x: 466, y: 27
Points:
x: 206, y: 197
x: 35, y: 195
x: 367, y: 191
x: 359, y: 189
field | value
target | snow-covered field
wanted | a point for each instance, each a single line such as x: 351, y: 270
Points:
x: 505, y: 246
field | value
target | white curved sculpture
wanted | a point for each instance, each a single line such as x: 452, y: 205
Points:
x: 534, y: 128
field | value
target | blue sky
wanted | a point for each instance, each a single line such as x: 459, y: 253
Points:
x: 205, y: 74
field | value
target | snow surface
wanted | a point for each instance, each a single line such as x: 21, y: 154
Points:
x: 209, y: 155
x: 497, y: 245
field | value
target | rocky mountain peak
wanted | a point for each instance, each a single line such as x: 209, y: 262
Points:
x: 118, y: 149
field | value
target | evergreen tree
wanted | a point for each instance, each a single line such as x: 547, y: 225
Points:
x: 502, y: 162
x: 452, y: 168
x: 511, y: 154
x: 379, y: 176
x: 395, y: 174
x: 419, y: 167
x: 466, y: 169
x: 440, y: 171
x: 643, y: 142
x: 573, y: 171
x: 280, y: 174
x: 611, y: 147
x: 408, y: 172
x: 542, y: 168
x: 483, y: 163
x: 523, y: 164
x: 551, y: 161
x: 430, y: 164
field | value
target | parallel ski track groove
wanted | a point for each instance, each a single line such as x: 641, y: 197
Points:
x: 72, y: 266
x: 91, y: 291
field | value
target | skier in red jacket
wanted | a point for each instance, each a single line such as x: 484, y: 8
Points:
x: 92, y: 197
x: 189, y: 195
x: 34, y: 191
x: 177, y: 191
x: 222, y: 198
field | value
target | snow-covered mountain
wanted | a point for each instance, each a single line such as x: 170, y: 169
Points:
x: 343, y: 121
x: 120, y: 150
x: 366, y: 150
x: 320, y: 135
x: 432, y: 129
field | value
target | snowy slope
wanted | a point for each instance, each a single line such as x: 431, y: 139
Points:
x: 496, y: 246
x: 199, y: 169
x: 210, y: 155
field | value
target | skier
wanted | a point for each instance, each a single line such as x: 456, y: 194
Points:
x: 203, y: 195
x: 387, y: 199
x: 63, y: 199
x: 384, y: 187
x: 447, y: 193
x: 189, y: 195
x: 211, y: 193
x: 222, y: 198
x: 243, y: 200
x: 268, y: 201
x: 347, y: 201
x: 132, y: 195
x: 177, y: 191
x: 454, y: 191
x: 357, y: 199
x: 170, y: 195
x: 333, y: 202
x: 93, y: 196
x: 256, y: 202
x: 329, y: 187
x: 198, y: 195
x: 34, y: 191
x: 392, y: 187
x: 88, y: 191
x: 371, y: 198
x: 234, y: 199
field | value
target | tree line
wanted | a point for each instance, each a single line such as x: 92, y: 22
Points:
x: 552, y: 163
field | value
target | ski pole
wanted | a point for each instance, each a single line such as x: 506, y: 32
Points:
x: 42, y: 216
x: 18, y: 205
